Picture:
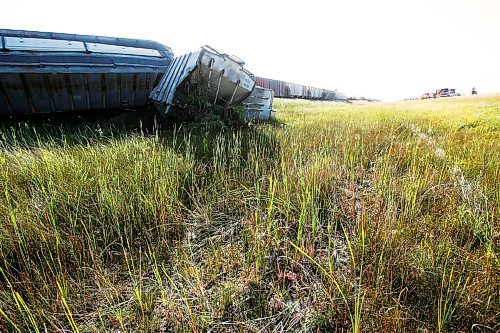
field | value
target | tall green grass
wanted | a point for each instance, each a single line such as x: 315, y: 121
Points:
x: 337, y: 217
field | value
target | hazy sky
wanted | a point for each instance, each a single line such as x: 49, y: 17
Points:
x: 387, y: 49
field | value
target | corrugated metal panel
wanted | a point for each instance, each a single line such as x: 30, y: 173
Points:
x: 111, y: 86
x: 280, y: 88
x: 127, y: 91
x: 60, y: 93
x: 277, y: 86
x: 144, y: 85
x: 179, y: 70
x: 25, y: 93
x: 17, y: 96
x: 95, y: 86
x: 116, y: 49
x: 43, y: 45
x: 5, y: 107
x: 79, y: 91
x: 262, y: 82
x: 36, y: 85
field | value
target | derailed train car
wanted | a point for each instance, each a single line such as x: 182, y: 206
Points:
x: 45, y: 72
x: 284, y: 89
x: 224, y: 79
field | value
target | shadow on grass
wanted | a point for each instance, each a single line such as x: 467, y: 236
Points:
x: 75, y: 128
x: 92, y: 127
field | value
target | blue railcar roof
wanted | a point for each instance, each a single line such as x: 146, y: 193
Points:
x: 128, y: 42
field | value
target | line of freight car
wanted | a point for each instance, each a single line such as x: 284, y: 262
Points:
x: 291, y: 90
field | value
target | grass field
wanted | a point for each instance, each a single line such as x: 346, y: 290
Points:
x: 377, y: 217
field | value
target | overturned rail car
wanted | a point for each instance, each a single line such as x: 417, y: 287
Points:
x: 43, y: 72
x: 222, y: 78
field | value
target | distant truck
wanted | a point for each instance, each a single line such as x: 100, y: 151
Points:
x: 445, y: 92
